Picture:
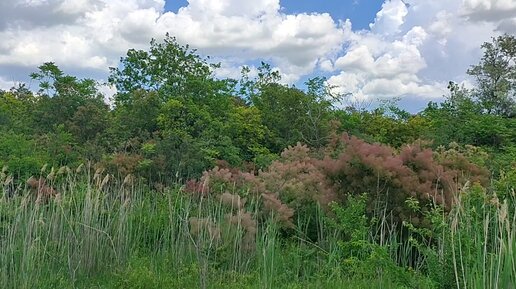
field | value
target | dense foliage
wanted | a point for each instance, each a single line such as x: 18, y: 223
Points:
x: 171, y: 115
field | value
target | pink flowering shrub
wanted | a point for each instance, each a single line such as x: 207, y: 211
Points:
x: 351, y: 166
x: 391, y: 177
x: 287, y: 185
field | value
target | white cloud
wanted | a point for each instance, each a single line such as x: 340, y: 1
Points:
x: 500, y: 12
x: 358, y: 58
x: 233, y: 7
x: 6, y: 84
x: 296, y: 43
x: 415, y: 49
x: 376, y: 67
x: 101, y: 31
x: 489, y: 10
x: 409, y: 50
x: 389, y: 19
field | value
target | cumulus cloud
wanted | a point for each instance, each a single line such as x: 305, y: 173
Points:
x: 389, y: 19
x: 256, y: 30
x: 501, y: 13
x: 93, y: 34
x: 496, y: 11
x: 412, y: 47
x: 6, y: 84
x: 385, y: 61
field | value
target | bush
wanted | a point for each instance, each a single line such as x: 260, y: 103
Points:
x: 392, y: 177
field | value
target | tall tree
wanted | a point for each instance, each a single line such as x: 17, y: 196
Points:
x: 65, y: 103
x: 168, y: 68
x: 496, y: 76
x: 291, y: 114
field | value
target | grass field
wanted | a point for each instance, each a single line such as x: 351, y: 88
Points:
x: 104, y: 233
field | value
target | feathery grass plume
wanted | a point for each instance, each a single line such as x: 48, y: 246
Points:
x: 51, y: 175
x: 232, y: 201
x: 281, y: 212
x: 201, y: 226
x: 503, y: 212
x: 8, y: 180
x: 63, y: 170
x: 44, y: 168
x: 3, y: 173
x: 42, y: 191
x: 245, y: 221
x: 98, y: 173
x: 128, y: 180
x: 104, y: 181
x: 494, y: 200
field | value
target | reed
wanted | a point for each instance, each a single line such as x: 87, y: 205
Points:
x: 120, y: 234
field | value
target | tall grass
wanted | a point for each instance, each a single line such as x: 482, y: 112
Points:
x: 105, y: 232
x: 99, y: 225
x: 483, y: 244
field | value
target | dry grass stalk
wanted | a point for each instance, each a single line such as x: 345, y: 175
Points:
x: 43, y: 191
x: 79, y: 168
x: 199, y: 226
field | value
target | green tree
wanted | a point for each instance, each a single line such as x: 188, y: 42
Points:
x: 21, y: 154
x: 169, y: 94
x: 59, y: 99
x: 15, y: 110
x: 135, y: 119
x: 463, y: 120
x: 291, y: 114
x: 168, y: 68
x: 496, y: 76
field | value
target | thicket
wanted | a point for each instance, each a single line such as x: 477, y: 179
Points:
x: 118, y: 233
x: 170, y: 114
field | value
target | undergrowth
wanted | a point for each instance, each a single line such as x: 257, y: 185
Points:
x: 104, y: 232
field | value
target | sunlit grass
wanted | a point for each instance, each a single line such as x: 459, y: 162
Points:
x: 108, y: 233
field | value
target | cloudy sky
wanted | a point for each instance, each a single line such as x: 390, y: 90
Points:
x: 370, y: 48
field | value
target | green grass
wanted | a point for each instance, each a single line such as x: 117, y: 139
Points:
x: 106, y: 234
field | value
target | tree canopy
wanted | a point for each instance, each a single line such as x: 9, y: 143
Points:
x: 171, y: 113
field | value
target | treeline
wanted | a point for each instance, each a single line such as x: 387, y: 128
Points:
x: 172, y: 117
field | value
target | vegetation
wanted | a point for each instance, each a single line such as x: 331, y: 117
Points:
x: 184, y: 180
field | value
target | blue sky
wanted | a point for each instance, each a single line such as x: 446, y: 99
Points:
x: 368, y: 49
x: 361, y: 12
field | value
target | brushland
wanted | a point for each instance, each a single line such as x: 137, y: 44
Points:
x: 186, y: 180
x: 104, y: 232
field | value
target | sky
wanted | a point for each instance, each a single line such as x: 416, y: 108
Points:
x: 368, y: 49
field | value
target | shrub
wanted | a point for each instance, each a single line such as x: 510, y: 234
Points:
x: 290, y: 188
x: 392, y: 177
x: 294, y: 184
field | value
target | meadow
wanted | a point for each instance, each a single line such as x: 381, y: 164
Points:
x: 104, y: 232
